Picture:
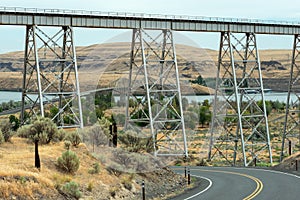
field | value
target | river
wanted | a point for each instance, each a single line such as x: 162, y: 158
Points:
x: 6, y: 96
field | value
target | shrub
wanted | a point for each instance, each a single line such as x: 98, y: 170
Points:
x: 115, y: 169
x: 42, y: 129
x: 95, y: 169
x: 133, y: 142
x: 202, y: 162
x: 6, y: 129
x: 74, y: 138
x: 23, y: 131
x: 68, y: 162
x: 96, y: 136
x: 67, y: 144
x: 72, y: 189
x: 90, y: 187
x: 131, y: 162
x: 59, y: 136
x: 1, y: 137
x: 127, y: 183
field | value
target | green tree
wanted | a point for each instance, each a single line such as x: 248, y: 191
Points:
x: 204, y: 115
x: 206, y: 103
x: 199, y: 80
x: 278, y: 105
x: 15, y: 122
x: 268, y: 106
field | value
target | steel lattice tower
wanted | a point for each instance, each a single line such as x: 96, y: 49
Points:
x: 291, y: 130
x: 239, y: 130
x: 50, y: 78
x: 155, y: 89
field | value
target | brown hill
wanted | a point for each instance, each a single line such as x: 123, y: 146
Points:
x: 105, y: 63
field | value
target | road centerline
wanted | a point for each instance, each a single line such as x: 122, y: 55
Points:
x: 259, y: 184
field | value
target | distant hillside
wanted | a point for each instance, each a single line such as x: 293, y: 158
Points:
x: 106, y: 63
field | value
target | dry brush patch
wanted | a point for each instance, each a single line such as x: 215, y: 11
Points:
x: 19, y: 177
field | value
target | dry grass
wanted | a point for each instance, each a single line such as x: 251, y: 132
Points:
x: 19, y: 177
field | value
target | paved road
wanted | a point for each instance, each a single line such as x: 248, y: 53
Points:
x: 227, y: 183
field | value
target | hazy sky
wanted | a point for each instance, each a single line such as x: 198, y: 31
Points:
x: 12, y: 37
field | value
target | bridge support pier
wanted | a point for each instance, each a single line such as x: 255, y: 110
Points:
x: 154, y: 89
x: 239, y: 114
x: 50, y: 77
x: 291, y: 131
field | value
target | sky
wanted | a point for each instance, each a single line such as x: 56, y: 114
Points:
x: 12, y: 37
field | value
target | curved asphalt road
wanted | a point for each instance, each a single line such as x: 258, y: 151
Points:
x: 228, y: 183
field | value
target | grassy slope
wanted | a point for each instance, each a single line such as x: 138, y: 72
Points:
x: 19, y: 178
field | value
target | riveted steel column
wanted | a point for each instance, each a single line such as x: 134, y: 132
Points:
x: 31, y: 74
x: 292, y: 114
x: 52, y: 58
x: 239, y: 132
x: 154, y: 87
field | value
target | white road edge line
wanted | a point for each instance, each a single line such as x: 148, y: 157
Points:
x: 271, y: 171
x: 207, y: 188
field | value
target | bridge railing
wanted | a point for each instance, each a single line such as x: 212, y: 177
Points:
x: 143, y: 15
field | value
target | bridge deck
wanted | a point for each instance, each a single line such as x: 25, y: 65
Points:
x: 92, y: 19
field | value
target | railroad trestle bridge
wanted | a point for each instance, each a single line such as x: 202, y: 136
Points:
x: 246, y: 143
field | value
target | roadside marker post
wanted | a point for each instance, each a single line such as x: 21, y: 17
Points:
x: 184, y: 172
x: 290, y: 147
x: 189, y: 176
x: 143, y: 190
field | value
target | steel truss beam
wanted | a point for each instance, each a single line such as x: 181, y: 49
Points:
x: 50, y: 77
x: 238, y: 117
x: 155, y: 89
x: 291, y: 131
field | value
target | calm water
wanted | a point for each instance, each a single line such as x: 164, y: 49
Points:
x: 6, y: 96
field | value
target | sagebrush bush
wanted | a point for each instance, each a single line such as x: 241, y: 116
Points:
x: 67, y: 144
x: 72, y: 189
x: 6, y: 129
x: 90, y: 187
x: 59, y: 136
x: 42, y: 129
x: 1, y: 137
x: 133, y: 142
x: 95, y: 169
x: 68, y: 162
x: 74, y: 137
x: 115, y: 169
